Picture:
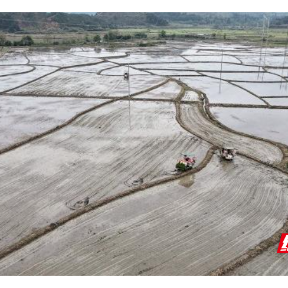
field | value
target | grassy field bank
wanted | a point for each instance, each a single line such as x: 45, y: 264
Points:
x: 276, y: 36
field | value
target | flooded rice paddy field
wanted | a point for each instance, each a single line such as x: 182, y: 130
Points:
x: 120, y: 70
x: 246, y: 77
x: 258, y: 122
x: 213, y: 58
x: 199, y: 66
x: 24, y: 117
x: 280, y: 101
x: 172, y: 73
x: 10, y: 70
x: 58, y: 59
x: 13, y: 81
x: 170, y: 90
x: 150, y: 58
x: 69, y: 130
x: 96, y: 68
x: 14, y: 58
x: 222, y: 93
x: 267, y: 89
x: 71, y: 83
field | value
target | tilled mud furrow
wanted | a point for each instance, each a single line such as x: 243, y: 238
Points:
x: 64, y: 83
x: 172, y: 239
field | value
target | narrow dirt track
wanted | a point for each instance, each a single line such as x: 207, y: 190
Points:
x: 165, y: 230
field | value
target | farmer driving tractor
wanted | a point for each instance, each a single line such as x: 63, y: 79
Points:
x: 186, y: 163
x: 228, y: 153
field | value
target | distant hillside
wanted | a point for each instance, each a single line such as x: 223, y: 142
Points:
x: 130, y: 19
x: 280, y: 22
x: 59, y: 22
x: 227, y: 19
x: 36, y: 22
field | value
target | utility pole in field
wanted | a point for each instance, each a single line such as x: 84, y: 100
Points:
x: 267, y: 40
x: 221, y: 71
x: 127, y: 78
x: 262, y: 40
x: 284, y: 60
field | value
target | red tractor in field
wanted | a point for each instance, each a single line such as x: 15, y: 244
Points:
x: 186, y: 163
